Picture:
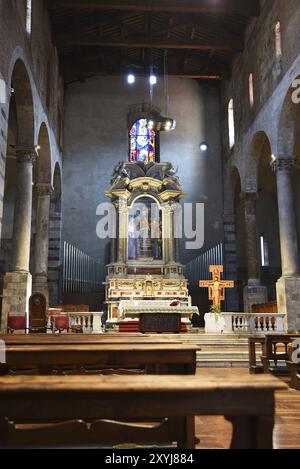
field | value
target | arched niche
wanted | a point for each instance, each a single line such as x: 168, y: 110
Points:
x: 145, y: 230
x: 240, y: 236
x: 20, y: 133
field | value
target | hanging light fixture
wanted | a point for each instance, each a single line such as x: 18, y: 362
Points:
x: 158, y: 122
x: 203, y: 146
x: 130, y: 78
x: 153, y: 79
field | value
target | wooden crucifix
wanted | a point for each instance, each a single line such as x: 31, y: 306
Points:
x: 216, y: 286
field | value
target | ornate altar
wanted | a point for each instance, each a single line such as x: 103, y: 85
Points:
x: 145, y: 273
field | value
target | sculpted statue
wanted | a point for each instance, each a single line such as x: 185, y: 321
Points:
x: 119, y: 173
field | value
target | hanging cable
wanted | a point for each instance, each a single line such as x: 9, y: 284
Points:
x: 166, y: 83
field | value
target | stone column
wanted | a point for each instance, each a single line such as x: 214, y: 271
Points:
x: 177, y: 250
x: 40, y: 275
x: 171, y: 239
x: 230, y: 260
x: 254, y: 292
x: 288, y: 287
x: 55, y: 259
x: 113, y: 248
x: 18, y: 283
x: 169, y: 234
x: 122, y: 230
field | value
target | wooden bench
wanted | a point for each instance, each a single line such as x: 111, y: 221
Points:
x: 270, y: 345
x: 249, y: 405
x: 118, y: 355
x: 272, y: 352
x: 48, y: 339
x: 253, y: 341
x: 152, y: 358
x: 293, y: 365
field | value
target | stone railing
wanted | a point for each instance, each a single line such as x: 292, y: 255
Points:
x: 241, y: 323
x: 87, y: 323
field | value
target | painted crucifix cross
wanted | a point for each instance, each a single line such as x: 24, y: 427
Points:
x: 216, y: 286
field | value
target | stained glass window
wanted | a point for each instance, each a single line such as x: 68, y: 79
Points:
x: 142, y: 142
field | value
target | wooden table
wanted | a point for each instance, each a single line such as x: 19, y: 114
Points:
x: 154, y: 358
x: 248, y: 404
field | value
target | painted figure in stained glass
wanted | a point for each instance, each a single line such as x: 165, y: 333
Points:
x: 142, y: 142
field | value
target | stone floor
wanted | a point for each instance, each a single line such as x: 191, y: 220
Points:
x: 215, y: 432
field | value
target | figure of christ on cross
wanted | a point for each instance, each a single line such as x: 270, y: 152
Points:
x: 216, y: 286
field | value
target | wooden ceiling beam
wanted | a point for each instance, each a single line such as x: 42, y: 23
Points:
x: 94, y: 66
x: 230, y: 7
x: 137, y: 42
x: 127, y: 62
x: 97, y: 20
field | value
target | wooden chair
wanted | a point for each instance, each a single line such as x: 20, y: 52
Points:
x: 16, y: 324
x: 37, y: 313
x: 60, y: 323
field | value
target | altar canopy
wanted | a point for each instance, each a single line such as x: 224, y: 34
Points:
x: 145, y: 274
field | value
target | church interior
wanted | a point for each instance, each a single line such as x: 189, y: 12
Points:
x: 150, y: 224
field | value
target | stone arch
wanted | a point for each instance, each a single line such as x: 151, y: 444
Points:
x: 55, y: 251
x: 232, y: 178
x: 22, y: 92
x: 17, y: 200
x: 289, y: 140
x: 45, y: 158
x: 40, y: 213
x: 289, y: 122
x: 239, y: 234
x: 57, y: 185
x: 268, y: 220
x: 259, y: 141
x: 20, y: 132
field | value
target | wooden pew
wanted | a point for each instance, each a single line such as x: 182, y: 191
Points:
x: 249, y: 405
x: 48, y: 339
x: 152, y: 357
x: 67, y: 353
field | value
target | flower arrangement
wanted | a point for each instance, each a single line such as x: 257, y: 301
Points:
x: 216, y: 310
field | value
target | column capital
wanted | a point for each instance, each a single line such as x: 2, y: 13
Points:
x: 283, y: 163
x: 121, y: 205
x: 44, y: 189
x: 167, y: 208
x: 26, y: 154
